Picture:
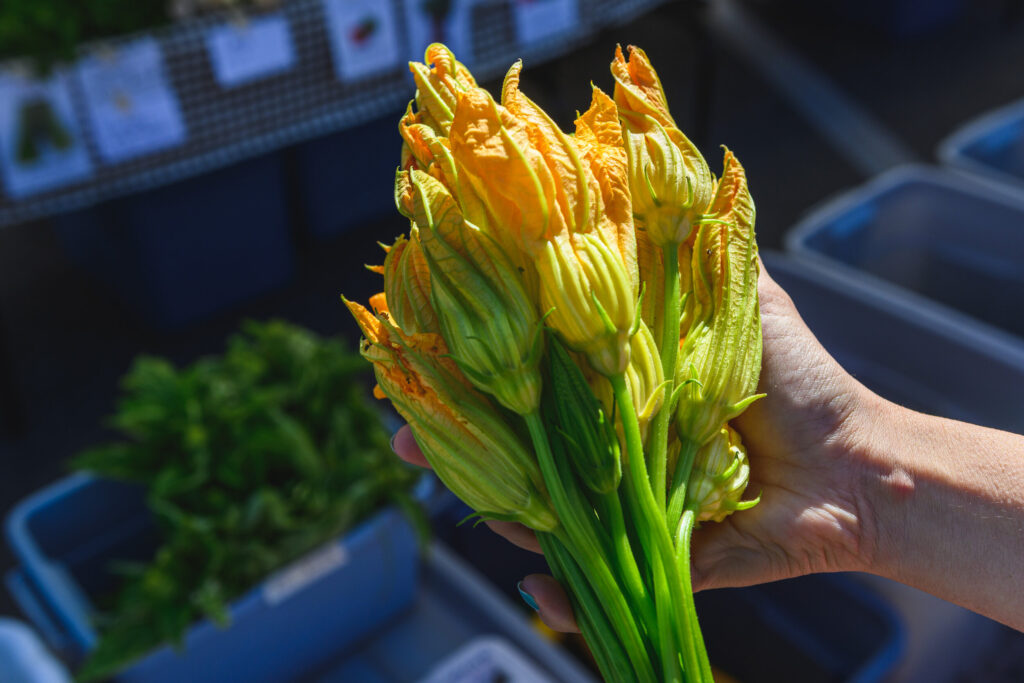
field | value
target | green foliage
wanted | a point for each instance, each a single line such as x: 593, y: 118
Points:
x: 249, y: 460
x: 48, y: 31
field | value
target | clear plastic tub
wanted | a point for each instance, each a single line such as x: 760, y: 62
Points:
x: 918, y: 233
x: 991, y: 146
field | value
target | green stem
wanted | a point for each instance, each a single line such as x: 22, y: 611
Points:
x: 651, y: 523
x: 687, y: 452
x: 683, y: 537
x: 625, y: 561
x: 658, y: 443
x: 586, y: 550
x: 608, y: 653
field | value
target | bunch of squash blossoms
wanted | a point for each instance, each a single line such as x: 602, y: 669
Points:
x: 568, y: 328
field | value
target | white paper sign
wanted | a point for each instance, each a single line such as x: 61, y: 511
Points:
x: 364, y: 37
x: 428, y: 25
x: 486, y: 659
x: 41, y: 144
x: 131, y: 105
x: 248, y: 50
x: 538, y: 20
x: 304, y: 572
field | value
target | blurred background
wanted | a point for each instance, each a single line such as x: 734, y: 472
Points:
x: 171, y: 170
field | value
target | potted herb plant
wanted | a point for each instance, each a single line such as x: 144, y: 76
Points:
x: 204, y: 544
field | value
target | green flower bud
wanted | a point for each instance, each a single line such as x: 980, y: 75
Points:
x: 467, y: 441
x: 485, y: 314
x: 581, y: 421
x: 720, y: 359
x: 719, y: 477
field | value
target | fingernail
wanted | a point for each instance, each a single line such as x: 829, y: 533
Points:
x: 527, y: 598
x: 393, y: 437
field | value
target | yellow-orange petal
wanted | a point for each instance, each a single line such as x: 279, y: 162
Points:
x: 599, y: 137
x: 638, y: 88
x: 493, y: 147
x: 572, y: 182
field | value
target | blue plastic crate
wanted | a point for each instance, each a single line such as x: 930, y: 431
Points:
x: 991, y: 146
x: 895, y: 346
x: 455, y: 610
x: 65, y: 536
x: 936, y: 235
x: 23, y: 659
x: 346, y: 179
x: 188, y: 250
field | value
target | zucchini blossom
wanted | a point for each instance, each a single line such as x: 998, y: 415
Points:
x: 720, y: 356
x: 669, y: 179
x: 468, y: 443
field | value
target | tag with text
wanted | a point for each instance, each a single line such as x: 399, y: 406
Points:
x: 364, y: 38
x: 41, y: 144
x: 248, y: 50
x: 131, y: 105
x: 303, y: 573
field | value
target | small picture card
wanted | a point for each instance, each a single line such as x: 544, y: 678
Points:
x: 364, y: 38
x: 538, y: 20
x: 132, y: 107
x: 440, y: 21
x: 250, y: 49
x: 41, y: 143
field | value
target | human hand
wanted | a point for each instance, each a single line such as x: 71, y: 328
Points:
x: 800, y: 440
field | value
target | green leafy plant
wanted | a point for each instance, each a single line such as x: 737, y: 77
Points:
x: 248, y: 461
x: 48, y: 31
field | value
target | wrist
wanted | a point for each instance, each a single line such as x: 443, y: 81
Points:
x: 866, y: 448
x: 893, y: 463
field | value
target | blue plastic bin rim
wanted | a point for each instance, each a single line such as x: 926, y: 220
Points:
x: 31, y: 557
x: 849, y: 200
x: 934, y: 314
x: 951, y: 149
x: 892, y: 299
x: 31, y: 605
x: 78, y: 625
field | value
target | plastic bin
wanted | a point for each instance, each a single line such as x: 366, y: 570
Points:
x: 347, y: 179
x: 188, y: 250
x: 65, y: 536
x: 23, y: 659
x: 915, y: 355
x: 788, y: 631
x: 937, y: 235
x: 991, y: 146
x: 457, y: 613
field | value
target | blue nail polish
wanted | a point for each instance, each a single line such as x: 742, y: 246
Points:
x: 527, y: 598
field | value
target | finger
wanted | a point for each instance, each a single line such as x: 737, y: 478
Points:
x: 552, y: 602
x: 516, y: 534
x: 405, y: 447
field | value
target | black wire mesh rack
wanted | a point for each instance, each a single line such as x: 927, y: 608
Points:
x: 227, y: 125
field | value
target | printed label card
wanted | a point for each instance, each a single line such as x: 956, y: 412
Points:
x: 132, y: 107
x: 41, y: 143
x: 250, y: 49
x: 364, y: 38
x: 440, y: 21
x: 538, y: 20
